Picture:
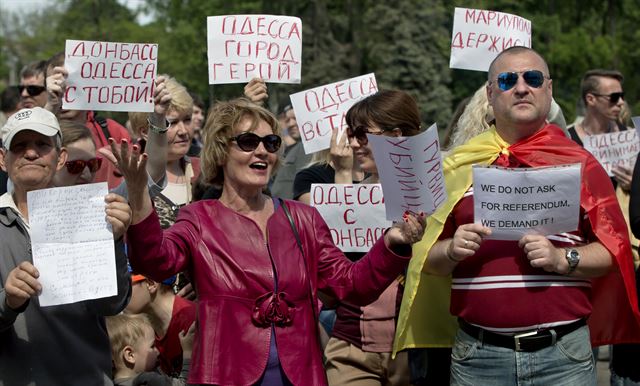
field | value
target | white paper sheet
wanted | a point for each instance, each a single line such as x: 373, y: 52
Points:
x: 72, y: 243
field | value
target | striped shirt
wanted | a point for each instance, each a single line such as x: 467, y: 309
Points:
x: 497, y: 289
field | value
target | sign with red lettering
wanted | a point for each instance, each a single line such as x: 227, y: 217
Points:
x: 410, y: 170
x: 480, y: 35
x: 320, y: 109
x: 108, y: 76
x: 354, y: 213
x: 619, y: 148
x: 242, y: 47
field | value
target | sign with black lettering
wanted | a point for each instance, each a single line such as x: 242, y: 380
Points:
x: 619, y: 148
x: 354, y: 213
x: 242, y: 47
x: 410, y: 170
x: 480, y: 35
x: 320, y: 109
x: 109, y: 76
x: 514, y: 202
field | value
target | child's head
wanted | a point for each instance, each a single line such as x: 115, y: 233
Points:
x: 144, y: 291
x: 132, y: 340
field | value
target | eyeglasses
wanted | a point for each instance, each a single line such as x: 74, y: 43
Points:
x: 360, y: 133
x: 77, y: 166
x: 533, y: 78
x: 613, y: 98
x: 251, y: 141
x: 32, y: 90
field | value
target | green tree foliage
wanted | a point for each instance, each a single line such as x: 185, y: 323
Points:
x: 405, y: 42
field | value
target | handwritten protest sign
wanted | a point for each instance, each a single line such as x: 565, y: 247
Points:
x: 515, y: 202
x: 480, y: 35
x: 72, y: 243
x: 636, y: 124
x: 614, y: 149
x: 410, y: 169
x: 354, y: 213
x: 320, y: 109
x: 241, y: 47
x: 110, y: 76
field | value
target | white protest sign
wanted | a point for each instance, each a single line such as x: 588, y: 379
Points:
x: 410, y: 170
x: 354, y: 213
x: 242, y: 47
x: 619, y: 148
x: 72, y: 244
x: 320, y: 109
x: 636, y: 123
x: 519, y: 201
x: 479, y: 36
x: 110, y: 76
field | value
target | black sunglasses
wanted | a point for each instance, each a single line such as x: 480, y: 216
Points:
x: 251, y: 141
x: 533, y: 78
x: 77, y: 166
x: 360, y: 133
x: 613, y: 98
x: 32, y: 90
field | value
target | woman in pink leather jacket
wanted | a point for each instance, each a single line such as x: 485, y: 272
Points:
x: 257, y: 262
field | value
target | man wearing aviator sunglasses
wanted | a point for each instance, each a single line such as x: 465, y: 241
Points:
x: 32, y: 85
x: 513, y: 328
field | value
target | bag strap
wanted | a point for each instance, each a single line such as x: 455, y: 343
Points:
x: 306, y: 267
x: 104, y: 125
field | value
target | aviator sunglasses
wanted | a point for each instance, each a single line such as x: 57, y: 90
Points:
x: 32, y: 90
x: 77, y: 166
x: 251, y: 141
x: 613, y: 98
x: 533, y: 78
x: 360, y: 133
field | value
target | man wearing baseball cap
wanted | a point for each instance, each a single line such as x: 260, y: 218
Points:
x: 32, y: 337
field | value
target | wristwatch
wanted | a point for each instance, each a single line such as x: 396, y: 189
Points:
x: 157, y: 129
x: 573, y: 258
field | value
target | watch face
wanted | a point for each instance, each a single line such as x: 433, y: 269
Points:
x: 573, y: 257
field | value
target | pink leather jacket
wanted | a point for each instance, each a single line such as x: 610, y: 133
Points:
x: 248, y: 287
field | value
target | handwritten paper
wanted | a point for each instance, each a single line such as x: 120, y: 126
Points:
x: 410, y: 170
x: 479, y: 36
x: 320, y: 109
x: 109, y: 76
x: 242, y: 47
x: 514, y: 202
x: 619, y: 148
x: 353, y: 212
x: 72, y: 243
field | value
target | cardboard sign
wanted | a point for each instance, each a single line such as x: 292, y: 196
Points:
x: 108, y: 76
x: 480, y: 35
x: 320, y: 109
x: 242, y: 47
x: 636, y: 124
x: 515, y: 202
x: 410, y: 170
x: 614, y: 149
x: 354, y: 213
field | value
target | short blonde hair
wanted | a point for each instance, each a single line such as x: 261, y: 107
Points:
x: 181, y: 102
x: 219, y: 127
x: 125, y: 330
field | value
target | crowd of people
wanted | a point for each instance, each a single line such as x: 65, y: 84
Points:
x: 226, y: 275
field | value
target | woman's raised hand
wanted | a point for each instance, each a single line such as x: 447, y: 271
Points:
x: 408, y: 231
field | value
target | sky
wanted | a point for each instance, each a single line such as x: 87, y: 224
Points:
x: 30, y: 5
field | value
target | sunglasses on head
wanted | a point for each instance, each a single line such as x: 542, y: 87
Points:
x: 613, y: 98
x: 32, y: 90
x: 251, y: 141
x: 360, y: 133
x: 77, y: 166
x: 533, y: 78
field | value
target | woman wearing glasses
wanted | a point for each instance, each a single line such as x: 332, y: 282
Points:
x: 362, y: 337
x: 257, y: 262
